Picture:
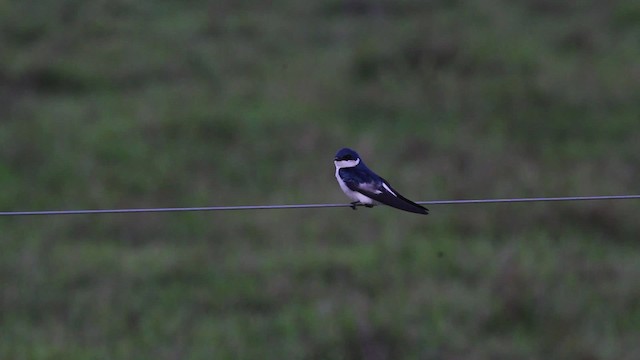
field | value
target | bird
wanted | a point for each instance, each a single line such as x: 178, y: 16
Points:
x: 367, y: 188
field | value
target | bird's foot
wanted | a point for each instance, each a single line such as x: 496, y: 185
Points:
x: 368, y: 205
x: 354, y: 204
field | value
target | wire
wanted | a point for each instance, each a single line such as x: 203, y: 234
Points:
x: 534, y: 199
x: 308, y: 206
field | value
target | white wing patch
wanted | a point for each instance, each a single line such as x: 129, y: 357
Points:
x: 388, y: 189
x: 370, y: 187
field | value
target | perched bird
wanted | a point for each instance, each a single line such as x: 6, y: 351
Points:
x: 366, y: 187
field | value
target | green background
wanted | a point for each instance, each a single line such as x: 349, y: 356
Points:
x: 192, y: 103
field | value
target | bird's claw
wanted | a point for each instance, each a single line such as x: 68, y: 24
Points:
x: 357, y: 203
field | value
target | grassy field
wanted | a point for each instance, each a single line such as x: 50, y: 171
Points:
x: 144, y: 104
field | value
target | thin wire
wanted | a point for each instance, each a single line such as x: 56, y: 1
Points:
x: 534, y: 199
x: 308, y: 206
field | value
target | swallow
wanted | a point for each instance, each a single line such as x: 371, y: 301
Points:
x: 367, y: 188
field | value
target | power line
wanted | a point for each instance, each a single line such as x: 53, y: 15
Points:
x: 308, y: 206
x: 533, y: 199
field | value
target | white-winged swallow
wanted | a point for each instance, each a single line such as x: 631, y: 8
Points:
x: 367, y: 188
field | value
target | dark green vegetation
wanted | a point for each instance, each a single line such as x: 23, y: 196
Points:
x: 180, y: 103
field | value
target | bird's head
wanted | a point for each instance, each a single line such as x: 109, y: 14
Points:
x: 346, y: 158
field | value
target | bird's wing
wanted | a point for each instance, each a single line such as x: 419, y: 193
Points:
x: 380, y: 190
x: 408, y: 203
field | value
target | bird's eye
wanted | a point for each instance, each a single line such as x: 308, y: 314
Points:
x: 348, y: 157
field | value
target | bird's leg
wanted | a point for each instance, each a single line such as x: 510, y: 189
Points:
x: 354, y: 204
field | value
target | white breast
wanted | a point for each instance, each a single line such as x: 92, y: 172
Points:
x: 350, y: 193
x: 354, y: 195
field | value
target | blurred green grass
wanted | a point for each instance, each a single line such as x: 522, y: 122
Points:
x: 133, y: 104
